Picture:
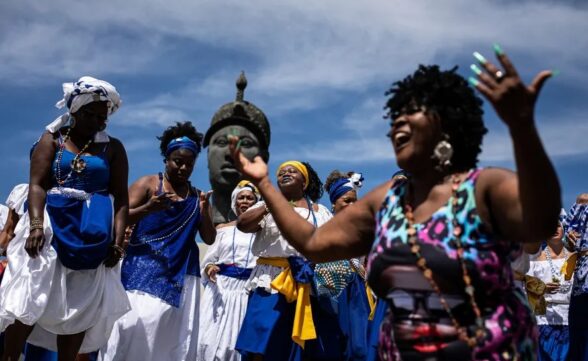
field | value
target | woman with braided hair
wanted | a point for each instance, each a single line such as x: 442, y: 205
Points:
x: 279, y: 320
x: 440, y: 242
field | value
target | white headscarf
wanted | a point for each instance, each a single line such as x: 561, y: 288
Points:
x: 243, y: 185
x: 85, y: 91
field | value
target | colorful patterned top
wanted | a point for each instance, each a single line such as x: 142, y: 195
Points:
x: 509, y: 325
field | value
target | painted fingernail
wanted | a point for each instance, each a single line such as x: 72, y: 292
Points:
x: 498, y: 50
x: 238, y: 145
x: 473, y: 81
x: 480, y: 57
x: 555, y: 72
x: 475, y: 69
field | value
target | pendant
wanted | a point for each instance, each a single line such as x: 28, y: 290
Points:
x: 78, y: 165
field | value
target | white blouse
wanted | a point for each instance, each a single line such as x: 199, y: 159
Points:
x: 558, y: 303
x: 231, y: 246
x: 269, y: 242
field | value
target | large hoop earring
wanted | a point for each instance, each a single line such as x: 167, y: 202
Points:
x: 442, y: 154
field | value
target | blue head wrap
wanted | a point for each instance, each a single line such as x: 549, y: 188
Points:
x: 577, y: 221
x: 182, y: 143
x: 344, y: 185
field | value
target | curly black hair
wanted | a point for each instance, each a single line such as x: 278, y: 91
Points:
x: 447, y: 95
x: 314, y: 191
x: 334, y: 176
x: 185, y: 129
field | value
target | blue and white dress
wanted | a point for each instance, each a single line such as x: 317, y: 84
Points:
x: 67, y: 289
x: 224, y: 302
x: 161, y: 275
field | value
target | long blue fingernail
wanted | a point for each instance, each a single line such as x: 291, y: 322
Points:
x: 498, y: 50
x: 480, y: 57
x: 555, y: 72
x: 475, y: 69
x: 238, y: 144
x: 473, y: 81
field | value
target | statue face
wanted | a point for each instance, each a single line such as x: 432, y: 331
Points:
x: 221, y: 172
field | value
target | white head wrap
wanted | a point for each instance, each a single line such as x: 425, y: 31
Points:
x: 243, y: 185
x: 85, y: 91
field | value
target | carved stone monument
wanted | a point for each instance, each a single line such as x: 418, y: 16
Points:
x: 246, y: 121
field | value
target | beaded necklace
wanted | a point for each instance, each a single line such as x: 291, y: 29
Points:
x: 77, y: 165
x: 248, y: 250
x: 421, y: 263
x: 554, y: 271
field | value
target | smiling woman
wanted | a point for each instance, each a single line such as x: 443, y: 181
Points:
x: 439, y: 242
x: 160, y: 271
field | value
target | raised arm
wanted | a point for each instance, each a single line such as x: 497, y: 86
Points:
x: 119, y: 176
x: 248, y: 221
x: 143, y: 200
x: 39, y: 183
x: 349, y: 234
x: 524, y: 206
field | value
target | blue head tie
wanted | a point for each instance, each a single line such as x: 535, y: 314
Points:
x: 344, y: 185
x: 182, y: 143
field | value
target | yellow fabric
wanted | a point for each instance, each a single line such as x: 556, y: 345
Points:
x: 535, y: 293
x: 567, y: 269
x: 299, y: 166
x: 372, y: 301
x: 303, y: 328
x: 245, y: 182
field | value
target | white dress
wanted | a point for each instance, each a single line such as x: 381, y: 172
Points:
x: 57, y: 300
x: 224, y: 303
x: 558, y: 303
x: 269, y: 242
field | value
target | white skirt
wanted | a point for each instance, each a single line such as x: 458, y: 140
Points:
x: 154, y: 330
x: 223, y: 308
x: 57, y: 300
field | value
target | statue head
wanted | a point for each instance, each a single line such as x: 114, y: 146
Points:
x: 246, y: 121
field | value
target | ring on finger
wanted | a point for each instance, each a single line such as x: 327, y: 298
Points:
x: 499, y: 75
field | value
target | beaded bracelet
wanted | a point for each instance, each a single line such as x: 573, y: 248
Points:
x: 36, y: 223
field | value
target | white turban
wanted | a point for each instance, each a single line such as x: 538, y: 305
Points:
x: 85, y: 91
x: 243, y: 185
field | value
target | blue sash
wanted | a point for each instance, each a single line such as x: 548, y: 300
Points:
x: 162, y: 250
x: 82, y: 229
x: 230, y: 270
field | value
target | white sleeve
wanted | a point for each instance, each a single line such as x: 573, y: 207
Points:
x: 17, y: 198
x: 211, y: 256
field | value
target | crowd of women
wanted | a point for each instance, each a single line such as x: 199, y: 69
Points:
x: 417, y: 269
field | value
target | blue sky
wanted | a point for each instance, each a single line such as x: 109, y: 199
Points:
x: 319, y: 71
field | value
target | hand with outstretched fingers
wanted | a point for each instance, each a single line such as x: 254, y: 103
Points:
x: 513, y: 101
x: 254, y: 170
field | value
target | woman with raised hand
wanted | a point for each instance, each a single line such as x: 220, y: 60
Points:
x: 278, y: 322
x: 439, y: 243
x: 226, y: 268
x: 61, y: 289
x: 161, y: 272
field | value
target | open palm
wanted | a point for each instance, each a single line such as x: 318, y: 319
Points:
x: 254, y: 170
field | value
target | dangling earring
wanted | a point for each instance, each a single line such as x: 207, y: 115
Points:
x: 442, y: 154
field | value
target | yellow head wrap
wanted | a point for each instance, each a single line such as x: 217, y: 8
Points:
x: 299, y: 166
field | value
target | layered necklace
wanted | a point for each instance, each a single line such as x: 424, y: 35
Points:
x: 554, y: 271
x: 77, y: 164
x: 421, y: 263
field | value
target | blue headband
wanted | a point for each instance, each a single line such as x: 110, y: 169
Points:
x: 182, y: 143
x: 344, y: 185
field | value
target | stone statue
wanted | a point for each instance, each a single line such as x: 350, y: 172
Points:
x: 242, y: 119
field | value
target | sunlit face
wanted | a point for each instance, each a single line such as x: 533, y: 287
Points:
x: 221, y: 170
x: 414, y: 134
x: 179, y: 165
x: 345, y: 200
x: 556, y: 239
x: 91, y: 118
x: 245, y: 199
x: 290, y: 178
